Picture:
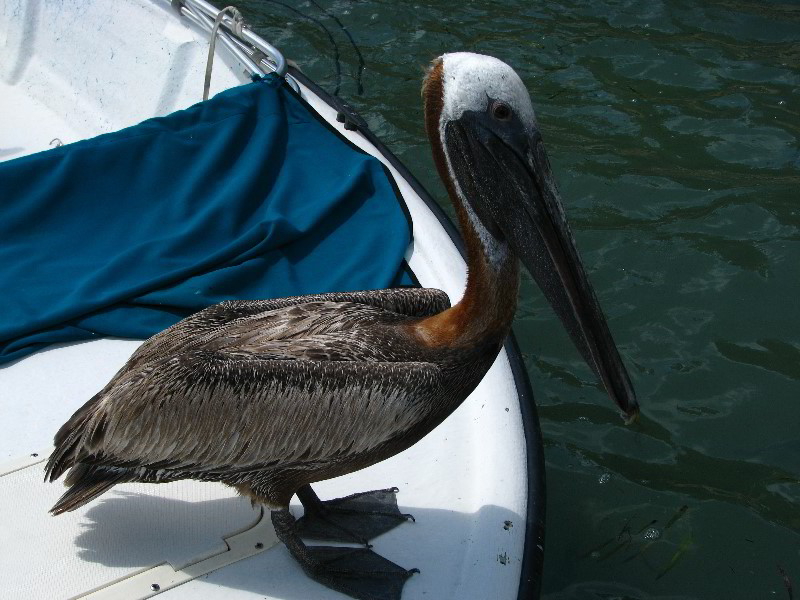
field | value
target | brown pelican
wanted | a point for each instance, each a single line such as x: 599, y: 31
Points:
x: 270, y: 396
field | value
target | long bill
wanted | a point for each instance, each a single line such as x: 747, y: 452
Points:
x: 508, y: 170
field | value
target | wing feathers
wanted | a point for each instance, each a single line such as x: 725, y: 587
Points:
x: 411, y: 302
x: 209, y: 412
x: 247, y: 385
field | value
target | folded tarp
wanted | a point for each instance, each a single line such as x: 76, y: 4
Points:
x: 248, y: 195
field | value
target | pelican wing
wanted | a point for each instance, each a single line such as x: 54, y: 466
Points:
x: 210, y: 412
x: 412, y: 302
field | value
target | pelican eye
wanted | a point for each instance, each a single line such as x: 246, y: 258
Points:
x: 500, y: 110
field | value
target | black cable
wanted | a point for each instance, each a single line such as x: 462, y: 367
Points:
x: 361, y: 63
x: 330, y: 37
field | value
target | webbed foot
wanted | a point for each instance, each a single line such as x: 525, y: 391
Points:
x: 355, y: 518
x: 358, y: 572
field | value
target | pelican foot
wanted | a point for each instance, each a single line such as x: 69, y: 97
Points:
x: 358, y: 572
x: 356, y: 518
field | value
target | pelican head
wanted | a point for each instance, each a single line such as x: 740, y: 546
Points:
x: 489, y: 151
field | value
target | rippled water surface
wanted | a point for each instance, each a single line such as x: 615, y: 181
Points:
x: 673, y: 130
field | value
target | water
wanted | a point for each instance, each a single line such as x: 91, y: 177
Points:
x: 673, y: 129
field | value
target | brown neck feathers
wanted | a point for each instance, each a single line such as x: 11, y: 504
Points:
x: 487, y: 308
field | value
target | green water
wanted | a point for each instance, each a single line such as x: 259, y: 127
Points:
x: 673, y: 129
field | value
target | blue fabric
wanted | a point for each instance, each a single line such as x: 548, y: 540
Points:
x: 244, y: 196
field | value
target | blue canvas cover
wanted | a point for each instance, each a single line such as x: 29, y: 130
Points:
x: 248, y: 195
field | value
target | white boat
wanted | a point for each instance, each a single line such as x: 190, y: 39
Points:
x: 71, y: 70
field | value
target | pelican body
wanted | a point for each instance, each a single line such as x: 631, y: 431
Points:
x: 270, y: 396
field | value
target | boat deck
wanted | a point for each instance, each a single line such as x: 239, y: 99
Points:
x: 138, y: 62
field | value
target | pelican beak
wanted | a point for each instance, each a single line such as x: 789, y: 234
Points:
x: 506, y: 170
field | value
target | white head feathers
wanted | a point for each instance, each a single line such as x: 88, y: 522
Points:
x: 469, y: 80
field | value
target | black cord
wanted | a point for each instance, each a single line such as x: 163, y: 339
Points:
x: 330, y: 37
x: 361, y: 63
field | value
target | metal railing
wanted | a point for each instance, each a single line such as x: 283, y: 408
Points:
x: 257, y: 55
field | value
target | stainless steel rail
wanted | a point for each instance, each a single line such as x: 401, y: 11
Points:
x: 245, y: 45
